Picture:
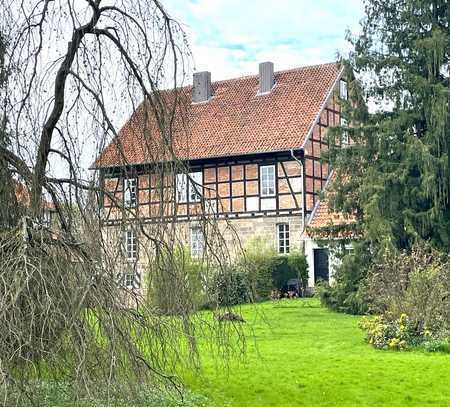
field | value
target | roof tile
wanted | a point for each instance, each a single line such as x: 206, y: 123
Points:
x: 234, y: 121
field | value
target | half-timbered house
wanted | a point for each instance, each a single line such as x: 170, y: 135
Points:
x: 251, y: 147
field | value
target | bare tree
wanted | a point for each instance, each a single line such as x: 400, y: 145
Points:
x: 71, y: 71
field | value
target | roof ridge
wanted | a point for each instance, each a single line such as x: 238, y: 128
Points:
x: 243, y: 77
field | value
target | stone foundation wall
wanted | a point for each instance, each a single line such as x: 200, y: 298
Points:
x: 236, y: 233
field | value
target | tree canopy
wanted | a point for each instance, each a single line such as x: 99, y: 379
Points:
x: 395, y: 176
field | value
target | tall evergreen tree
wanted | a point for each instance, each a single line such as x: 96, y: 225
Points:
x: 396, y: 177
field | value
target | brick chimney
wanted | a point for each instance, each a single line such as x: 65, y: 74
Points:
x: 201, y: 90
x: 266, y: 77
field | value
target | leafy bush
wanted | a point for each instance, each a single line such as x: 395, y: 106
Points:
x: 230, y: 287
x: 416, y: 284
x: 411, y: 292
x: 385, y: 333
x: 259, y: 262
x: 175, y: 282
x: 347, y: 292
x: 299, y: 267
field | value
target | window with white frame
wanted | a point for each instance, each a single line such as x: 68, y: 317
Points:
x: 195, y: 186
x: 131, y: 245
x: 197, y: 242
x: 283, y: 238
x: 343, y: 90
x: 345, y: 138
x: 181, y: 188
x: 130, y: 192
x: 47, y: 218
x: 267, y: 174
x: 128, y: 279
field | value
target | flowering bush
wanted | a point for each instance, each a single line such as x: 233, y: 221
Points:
x: 386, y: 332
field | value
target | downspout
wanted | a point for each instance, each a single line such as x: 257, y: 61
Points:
x: 302, y: 167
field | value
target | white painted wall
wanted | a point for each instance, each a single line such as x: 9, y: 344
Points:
x: 333, y: 261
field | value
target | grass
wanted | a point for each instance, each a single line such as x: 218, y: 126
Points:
x: 305, y: 355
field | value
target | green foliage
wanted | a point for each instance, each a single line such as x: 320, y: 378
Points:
x: 256, y: 274
x: 347, y: 292
x: 416, y: 284
x: 60, y: 394
x: 230, y: 287
x: 175, y: 281
x: 387, y: 332
x: 258, y: 263
x: 384, y: 333
x: 299, y: 267
x: 395, y: 177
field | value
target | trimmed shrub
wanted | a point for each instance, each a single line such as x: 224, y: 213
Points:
x: 259, y: 262
x: 230, y: 287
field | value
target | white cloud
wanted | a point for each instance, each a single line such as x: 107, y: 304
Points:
x: 229, y: 37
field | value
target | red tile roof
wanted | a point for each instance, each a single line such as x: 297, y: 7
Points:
x: 234, y: 121
x: 323, y: 220
x: 322, y: 217
x: 23, y: 197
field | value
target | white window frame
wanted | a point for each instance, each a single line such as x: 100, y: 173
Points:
x: 130, y: 192
x: 128, y: 279
x: 47, y: 218
x: 283, y: 238
x: 270, y: 183
x: 343, y: 89
x: 345, y: 136
x: 195, y: 186
x: 181, y: 189
x: 131, y: 245
x: 197, y: 242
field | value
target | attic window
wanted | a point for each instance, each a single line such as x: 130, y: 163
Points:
x: 343, y: 90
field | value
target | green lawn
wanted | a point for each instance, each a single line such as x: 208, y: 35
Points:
x: 305, y: 355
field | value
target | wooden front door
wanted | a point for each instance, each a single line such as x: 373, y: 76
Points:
x: 321, y: 271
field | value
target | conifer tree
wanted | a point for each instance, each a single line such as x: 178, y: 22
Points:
x: 396, y: 175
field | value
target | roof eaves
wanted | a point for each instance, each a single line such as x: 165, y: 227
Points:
x: 215, y: 157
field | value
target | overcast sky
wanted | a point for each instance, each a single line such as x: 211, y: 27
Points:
x: 230, y: 37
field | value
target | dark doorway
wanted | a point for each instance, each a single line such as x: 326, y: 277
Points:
x: 321, y: 271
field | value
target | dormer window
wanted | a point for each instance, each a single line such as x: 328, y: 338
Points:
x: 343, y: 90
